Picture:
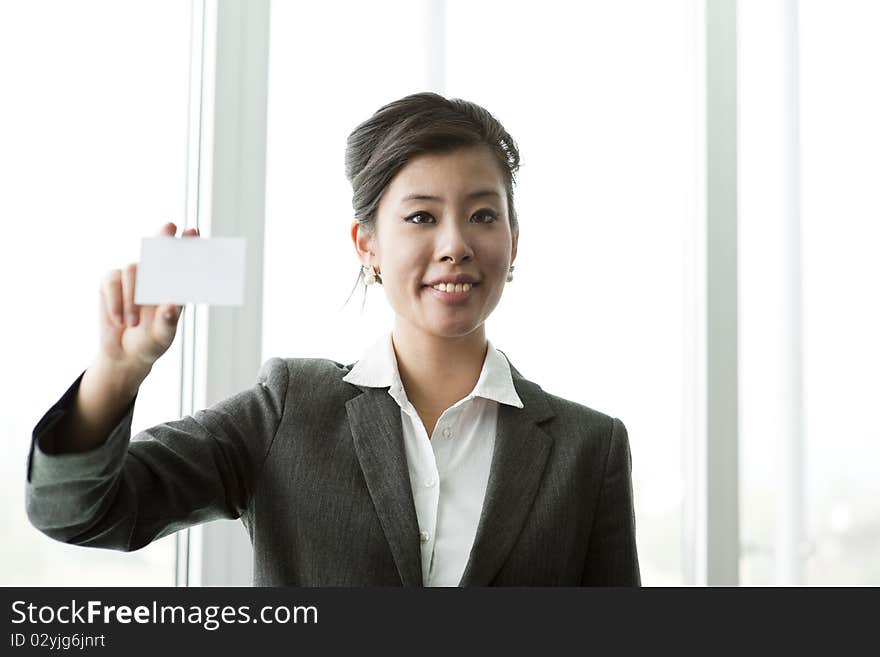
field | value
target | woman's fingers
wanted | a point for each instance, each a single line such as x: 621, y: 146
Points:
x: 135, y: 313
x: 118, y: 310
x: 171, y: 313
x: 106, y: 320
x: 170, y: 230
x: 129, y: 309
x: 111, y: 291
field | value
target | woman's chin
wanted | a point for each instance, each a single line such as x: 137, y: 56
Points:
x: 452, y: 327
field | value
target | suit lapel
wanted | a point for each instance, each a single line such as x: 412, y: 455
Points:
x: 521, y: 451
x: 522, y: 448
x: 376, y: 427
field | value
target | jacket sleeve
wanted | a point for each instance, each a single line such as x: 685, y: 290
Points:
x: 612, y: 557
x: 128, y: 492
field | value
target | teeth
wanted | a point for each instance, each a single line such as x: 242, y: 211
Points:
x: 450, y: 287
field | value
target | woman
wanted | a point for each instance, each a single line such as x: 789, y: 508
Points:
x: 431, y: 461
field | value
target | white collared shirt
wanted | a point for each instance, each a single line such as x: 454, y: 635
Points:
x: 449, y: 472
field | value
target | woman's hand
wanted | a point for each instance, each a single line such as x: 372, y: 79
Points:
x: 132, y: 335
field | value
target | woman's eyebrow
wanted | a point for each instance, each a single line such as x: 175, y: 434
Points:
x: 427, y: 197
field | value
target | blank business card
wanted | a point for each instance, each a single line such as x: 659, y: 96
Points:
x: 180, y: 270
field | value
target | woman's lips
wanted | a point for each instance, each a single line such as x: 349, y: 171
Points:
x: 452, y: 298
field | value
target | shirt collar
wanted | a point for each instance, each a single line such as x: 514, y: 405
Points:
x: 378, y: 369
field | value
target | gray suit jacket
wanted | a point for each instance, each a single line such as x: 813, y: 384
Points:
x: 315, y: 468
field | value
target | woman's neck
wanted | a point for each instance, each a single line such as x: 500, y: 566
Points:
x: 436, y: 371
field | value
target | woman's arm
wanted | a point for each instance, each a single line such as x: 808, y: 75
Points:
x: 106, y: 390
x: 612, y: 558
x: 126, y: 492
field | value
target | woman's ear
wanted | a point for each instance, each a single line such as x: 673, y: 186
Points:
x: 515, y: 241
x: 363, y: 243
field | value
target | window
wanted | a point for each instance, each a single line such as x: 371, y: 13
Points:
x: 602, y: 98
x: 94, y: 156
x: 809, y: 485
x: 606, y: 101
x: 310, y: 266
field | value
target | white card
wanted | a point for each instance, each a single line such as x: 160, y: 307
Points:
x: 180, y: 270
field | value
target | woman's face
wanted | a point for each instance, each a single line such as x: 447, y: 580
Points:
x: 443, y: 216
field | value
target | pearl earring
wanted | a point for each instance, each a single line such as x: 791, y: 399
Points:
x: 371, y: 275
x: 510, y: 274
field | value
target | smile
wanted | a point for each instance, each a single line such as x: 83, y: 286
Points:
x: 452, y: 294
x: 452, y: 287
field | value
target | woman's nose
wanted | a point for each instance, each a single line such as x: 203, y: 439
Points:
x: 454, y: 243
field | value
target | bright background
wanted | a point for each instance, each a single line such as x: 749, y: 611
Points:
x: 603, y: 99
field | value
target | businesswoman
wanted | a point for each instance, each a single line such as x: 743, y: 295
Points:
x: 431, y: 461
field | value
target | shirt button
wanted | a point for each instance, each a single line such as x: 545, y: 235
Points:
x: 429, y: 483
x: 424, y: 536
x: 447, y: 432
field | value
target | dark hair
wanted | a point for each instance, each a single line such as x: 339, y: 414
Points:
x: 415, y: 125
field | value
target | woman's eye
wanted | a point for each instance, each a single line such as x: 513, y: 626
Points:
x: 488, y: 216
x: 485, y: 217
x: 420, y: 218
